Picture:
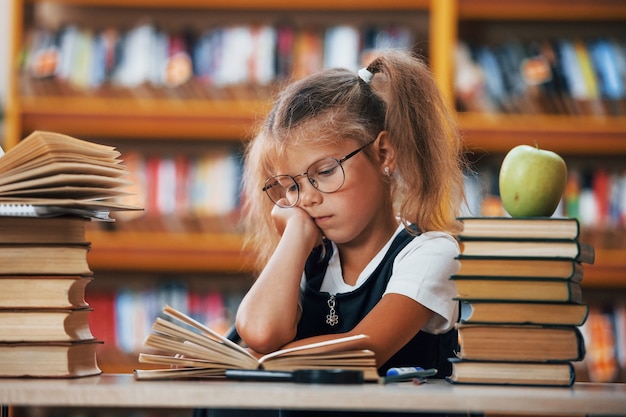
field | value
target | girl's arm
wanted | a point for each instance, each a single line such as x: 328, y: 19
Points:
x: 268, y: 315
x: 390, y: 325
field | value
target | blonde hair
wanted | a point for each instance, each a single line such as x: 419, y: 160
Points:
x: 336, y: 104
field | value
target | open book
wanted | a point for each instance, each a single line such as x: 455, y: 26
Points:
x: 49, y: 174
x: 192, y: 349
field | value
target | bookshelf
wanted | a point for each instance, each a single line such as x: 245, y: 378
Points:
x: 156, y: 119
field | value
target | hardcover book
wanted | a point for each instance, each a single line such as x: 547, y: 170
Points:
x: 62, y: 229
x: 512, y: 373
x: 527, y: 268
x: 520, y: 227
x: 41, y: 259
x: 45, y: 325
x: 553, y: 249
x: 43, y: 291
x: 517, y: 289
x: 49, y: 360
x: 513, y: 312
x: 520, y: 343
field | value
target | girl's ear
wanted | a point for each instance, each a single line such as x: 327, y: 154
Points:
x: 386, y: 153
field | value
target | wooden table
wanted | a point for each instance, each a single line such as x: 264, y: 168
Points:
x: 114, y: 391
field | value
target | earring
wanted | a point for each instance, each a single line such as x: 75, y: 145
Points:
x: 387, y: 172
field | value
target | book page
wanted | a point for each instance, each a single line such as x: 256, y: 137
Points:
x: 60, y: 168
x: 181, y: 361
x: 168, y: 310
x: 314, y: 348
x: 66, y: 180
x: 342, y: 359
x: 39, y: 144
x: 176, y: 373
x: 190, y: 349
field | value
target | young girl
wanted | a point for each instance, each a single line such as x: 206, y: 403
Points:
x: 352, y: 188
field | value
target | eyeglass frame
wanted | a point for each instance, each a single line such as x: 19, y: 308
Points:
x: 306, y: 173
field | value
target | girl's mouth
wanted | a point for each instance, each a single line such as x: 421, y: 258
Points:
x: 322, y: 219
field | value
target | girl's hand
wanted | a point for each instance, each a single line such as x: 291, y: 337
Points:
x: 266, y: 326
x: 297, y: 217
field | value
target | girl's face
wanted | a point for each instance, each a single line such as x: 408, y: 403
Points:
x: 360, y: 203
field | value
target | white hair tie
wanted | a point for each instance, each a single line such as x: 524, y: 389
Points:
x: 365, y: 75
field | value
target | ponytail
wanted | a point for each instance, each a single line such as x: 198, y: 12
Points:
x: 429, y: 189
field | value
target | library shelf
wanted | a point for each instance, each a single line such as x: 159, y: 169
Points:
x: 542, y: 10
x: 143, y: 118
x: 569, y: 135
x: 167, y: 252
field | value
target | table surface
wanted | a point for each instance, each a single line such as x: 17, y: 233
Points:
x: 109, y: 390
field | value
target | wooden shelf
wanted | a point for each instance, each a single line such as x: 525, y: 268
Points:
x: 234, y: 120
x: 167, y: 252
x: 142, y: 118
x: 542, y: 9
x: 569, y: 135
x: 254, y: 4
x: 608, y: 271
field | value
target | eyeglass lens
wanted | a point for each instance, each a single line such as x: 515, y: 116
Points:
x: 326, y: 175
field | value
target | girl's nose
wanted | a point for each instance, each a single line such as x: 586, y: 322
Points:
x: 309, y: 195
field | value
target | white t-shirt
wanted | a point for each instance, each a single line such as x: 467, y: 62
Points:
x: 421, y: 271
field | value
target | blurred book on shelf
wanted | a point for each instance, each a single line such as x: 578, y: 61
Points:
x: 566, y: 76
x: 206, y: 63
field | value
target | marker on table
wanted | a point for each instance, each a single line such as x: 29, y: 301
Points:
x: 407, y: 373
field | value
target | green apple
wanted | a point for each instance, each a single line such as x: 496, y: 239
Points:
x: 532, y: 181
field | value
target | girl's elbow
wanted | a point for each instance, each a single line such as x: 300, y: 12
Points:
x: 261, y: 338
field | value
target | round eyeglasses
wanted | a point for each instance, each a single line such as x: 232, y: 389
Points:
x: 326, y: 175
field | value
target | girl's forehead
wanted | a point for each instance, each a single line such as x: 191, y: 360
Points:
x: 297, y: 158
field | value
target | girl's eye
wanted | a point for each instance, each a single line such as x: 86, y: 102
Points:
x: 292, y: 188
x: 326, y: 170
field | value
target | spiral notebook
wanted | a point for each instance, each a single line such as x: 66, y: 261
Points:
x: 30, y: 210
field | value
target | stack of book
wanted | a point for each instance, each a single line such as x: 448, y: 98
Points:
x: 519, y: 285
x: 51, y: 185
